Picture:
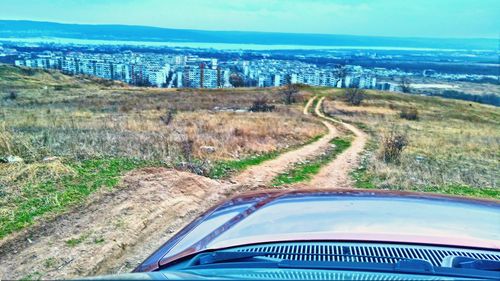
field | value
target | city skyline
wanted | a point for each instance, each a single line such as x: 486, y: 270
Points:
x: 463, y: 18
x: 188, y: 68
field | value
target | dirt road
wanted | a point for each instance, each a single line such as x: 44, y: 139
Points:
x: 119, y: 228
x: 262, y: 174
x: 336, y: 174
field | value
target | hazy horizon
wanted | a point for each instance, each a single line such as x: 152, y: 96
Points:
x: 463, y: 19
x: 252, y: 31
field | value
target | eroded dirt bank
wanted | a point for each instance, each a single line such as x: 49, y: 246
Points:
x: 92, y: 239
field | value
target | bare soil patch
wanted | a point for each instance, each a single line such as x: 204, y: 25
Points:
x: 144, y: 212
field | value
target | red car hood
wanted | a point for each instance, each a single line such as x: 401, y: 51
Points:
x: 339, y: 215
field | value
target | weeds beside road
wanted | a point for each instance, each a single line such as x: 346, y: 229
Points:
x: 452, y: 146
x: 55, y: 195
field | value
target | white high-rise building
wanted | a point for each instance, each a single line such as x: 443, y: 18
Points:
x: 373, y: 83
x: 277, y: 80
x: 179, y: 79
x: 260, y: 81
x: 347, y: 81
x: 214, y: 63
x: 226, y: 75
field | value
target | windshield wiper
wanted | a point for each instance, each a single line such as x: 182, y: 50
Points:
x: 223, y: 256
x: 466, y: 262
x: 234, y: 259
x: 234, y: 256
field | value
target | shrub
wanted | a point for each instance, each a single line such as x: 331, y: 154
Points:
x: 28, y: 71
x: 302, y: 86
x: 261, y: 105
x: 410, y: 113
x: 187, y: 148
x: 393, y: 144
x: 354, y: 96
x: 169, y: 117
x: 11, y: 96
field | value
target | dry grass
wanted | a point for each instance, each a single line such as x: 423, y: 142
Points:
x: 34, y: 134
x: 80, y: 118
x: 452, y: 143
x: 99, y: 130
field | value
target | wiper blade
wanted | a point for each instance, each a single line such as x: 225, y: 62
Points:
x: 467, y: 262
x: 233, y: 259
x: 408, y: 266
x: 228, y: 256
x: 235, y: 256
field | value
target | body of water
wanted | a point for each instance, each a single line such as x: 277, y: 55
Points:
x: 198, y: 45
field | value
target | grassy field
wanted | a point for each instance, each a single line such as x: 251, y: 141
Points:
x: 49, y: 194
x: 76, y: 135
x: 453, y: 147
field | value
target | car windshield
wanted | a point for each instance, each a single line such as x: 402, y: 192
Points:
x: 316, y: 217
x: 333, y: 217
x: 135, y: 134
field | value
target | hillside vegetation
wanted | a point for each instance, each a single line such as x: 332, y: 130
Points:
x: 63, y: 138
x: 452, y: 146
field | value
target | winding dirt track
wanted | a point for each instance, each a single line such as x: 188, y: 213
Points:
x: 336, y: 174
x: 115, y: 230
x: 262, y: 174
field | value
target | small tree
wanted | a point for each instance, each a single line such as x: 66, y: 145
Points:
x: 289, y: 93
x: 236, y: 80
x: 341, y: 71
x: 405, y: 85
x: 354, y: 96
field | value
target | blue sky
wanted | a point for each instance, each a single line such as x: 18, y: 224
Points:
x: 403, y: 18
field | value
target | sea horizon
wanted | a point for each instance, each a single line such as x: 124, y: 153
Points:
x: 218, y: 46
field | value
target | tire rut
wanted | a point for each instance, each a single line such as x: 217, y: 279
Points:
x: 262, y: 174
x: 336, y: 173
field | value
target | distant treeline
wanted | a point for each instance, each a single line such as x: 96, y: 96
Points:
x: 30, y: 29
x: 495, y: 81
x: 411, y: 66
x: 492, y: 99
